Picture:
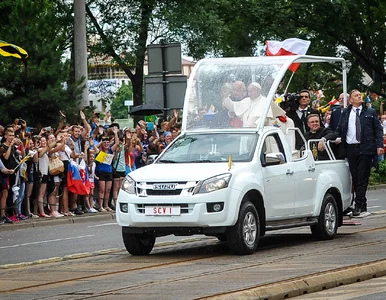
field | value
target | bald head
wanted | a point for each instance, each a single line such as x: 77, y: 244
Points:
x: 341, y: 99
x: 239, y: 90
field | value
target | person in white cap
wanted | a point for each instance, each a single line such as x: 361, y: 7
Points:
x: 249, y: 109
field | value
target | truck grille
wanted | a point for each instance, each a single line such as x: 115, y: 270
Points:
x: 181, y: 188
x: 163, y: 193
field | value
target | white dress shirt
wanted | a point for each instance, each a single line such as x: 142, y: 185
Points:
x: 351, y: 132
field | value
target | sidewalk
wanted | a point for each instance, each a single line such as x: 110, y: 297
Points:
x: 41, y: 222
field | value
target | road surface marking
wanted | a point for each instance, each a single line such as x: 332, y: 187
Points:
x: 100, y: 225
x: 48, y: 241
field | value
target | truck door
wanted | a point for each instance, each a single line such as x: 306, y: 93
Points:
x: 305, y: 179
x: 278, y: 179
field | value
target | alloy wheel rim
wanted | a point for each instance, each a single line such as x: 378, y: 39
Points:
x: 330, y: 218
x: 249, y: 229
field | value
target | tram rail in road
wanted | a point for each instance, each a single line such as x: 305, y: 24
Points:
x: 284, y: 266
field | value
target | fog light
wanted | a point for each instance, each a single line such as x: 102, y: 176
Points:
x: 215, y: 207
x: 124, y: 207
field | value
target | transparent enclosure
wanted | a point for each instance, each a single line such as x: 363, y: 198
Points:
x: 240, y: 92
x: 213, y: 147
x: 243, y: 83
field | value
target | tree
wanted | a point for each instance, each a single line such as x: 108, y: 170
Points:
x: 36, y: 92
x: 118, y: 109
x: 121, y: 31
x: 353, y: 29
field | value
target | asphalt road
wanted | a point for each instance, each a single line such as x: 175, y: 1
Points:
x: 286, y: 261
x: 31, y: 244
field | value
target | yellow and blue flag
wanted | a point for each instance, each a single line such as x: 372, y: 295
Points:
x: 7, y: 49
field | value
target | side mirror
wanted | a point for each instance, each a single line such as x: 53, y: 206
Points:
x: 272, y: 159
x: 151, y: 158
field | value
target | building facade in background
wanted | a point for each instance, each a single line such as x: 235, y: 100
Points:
x: 105, y: 79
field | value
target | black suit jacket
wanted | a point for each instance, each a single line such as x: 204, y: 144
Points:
x: 327, y: 133
x: 371, y: 129
x: 335, y: 117
x: 302, y: 126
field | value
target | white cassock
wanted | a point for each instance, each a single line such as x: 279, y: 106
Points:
x: 250, y: 110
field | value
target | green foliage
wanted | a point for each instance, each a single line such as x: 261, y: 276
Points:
x: 35, y: 90
x: 378, y: 176
x: 118, y: 109
x: 353, y: 29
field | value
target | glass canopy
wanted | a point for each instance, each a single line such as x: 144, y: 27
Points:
x: 229, y: 93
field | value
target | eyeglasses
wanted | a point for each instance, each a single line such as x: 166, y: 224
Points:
x: 105, y: 140
x: 306, y: 96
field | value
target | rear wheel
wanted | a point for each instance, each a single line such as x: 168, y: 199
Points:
x: 328, y: 220
x: 138, y: 243
x: 243, y: 237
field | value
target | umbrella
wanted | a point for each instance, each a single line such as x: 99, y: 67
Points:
x: 145, y: 110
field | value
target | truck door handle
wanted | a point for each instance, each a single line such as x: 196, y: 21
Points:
x: 289, y: 172
x: 311, y: 169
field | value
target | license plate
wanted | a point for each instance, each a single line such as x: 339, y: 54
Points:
x: 164, y: 186
x: 162, y: 210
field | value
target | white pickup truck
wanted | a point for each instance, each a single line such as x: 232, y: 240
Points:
x: 221, y: 179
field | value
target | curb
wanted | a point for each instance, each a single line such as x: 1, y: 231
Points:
x: 377, y: 187
x: 32, y: 223
x: 309, y: 283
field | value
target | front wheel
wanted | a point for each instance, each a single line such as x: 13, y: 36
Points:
x: 138, y: 243
x: 328, y: 220
x: 243, y: 237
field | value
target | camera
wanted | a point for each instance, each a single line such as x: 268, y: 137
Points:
x: 290, y: 101
x: 292, y: 97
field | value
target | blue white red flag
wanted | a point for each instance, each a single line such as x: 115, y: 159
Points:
x: 78, y: 181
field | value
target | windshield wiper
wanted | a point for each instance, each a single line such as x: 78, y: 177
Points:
x: 167, y: 161
x: 201, y: 161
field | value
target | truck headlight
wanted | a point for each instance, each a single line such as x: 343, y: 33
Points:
x: 128, y: 185
x: 212, y: 184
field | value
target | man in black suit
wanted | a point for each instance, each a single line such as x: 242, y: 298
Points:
x: 337, y: 112
x: 299, y: 113
x: 317, y: 132
x: 362, y: 135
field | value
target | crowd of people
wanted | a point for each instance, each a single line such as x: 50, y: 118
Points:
x: 35, y: 170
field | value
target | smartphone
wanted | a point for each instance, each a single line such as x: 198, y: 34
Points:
x: 150, y: 126
x: 28, y: 129
x: 48, y: 128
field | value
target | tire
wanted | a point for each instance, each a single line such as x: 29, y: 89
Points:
x: 222, y: 237
x: 328, y: 220
x: 138, y: 244
x: 243, y: 237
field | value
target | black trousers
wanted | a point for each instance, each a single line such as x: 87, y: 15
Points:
x: 360, y: 167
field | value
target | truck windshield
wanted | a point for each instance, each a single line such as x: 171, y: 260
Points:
x: 214, y: 147
x: 229, y: 93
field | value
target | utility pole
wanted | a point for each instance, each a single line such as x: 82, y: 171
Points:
x: 80, y: 48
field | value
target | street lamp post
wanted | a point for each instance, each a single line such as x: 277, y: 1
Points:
x: 80, y: 48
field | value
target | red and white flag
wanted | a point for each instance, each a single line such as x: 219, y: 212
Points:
x: 292, y: 46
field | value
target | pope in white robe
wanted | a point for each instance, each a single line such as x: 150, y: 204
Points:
x: 250, y: 109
